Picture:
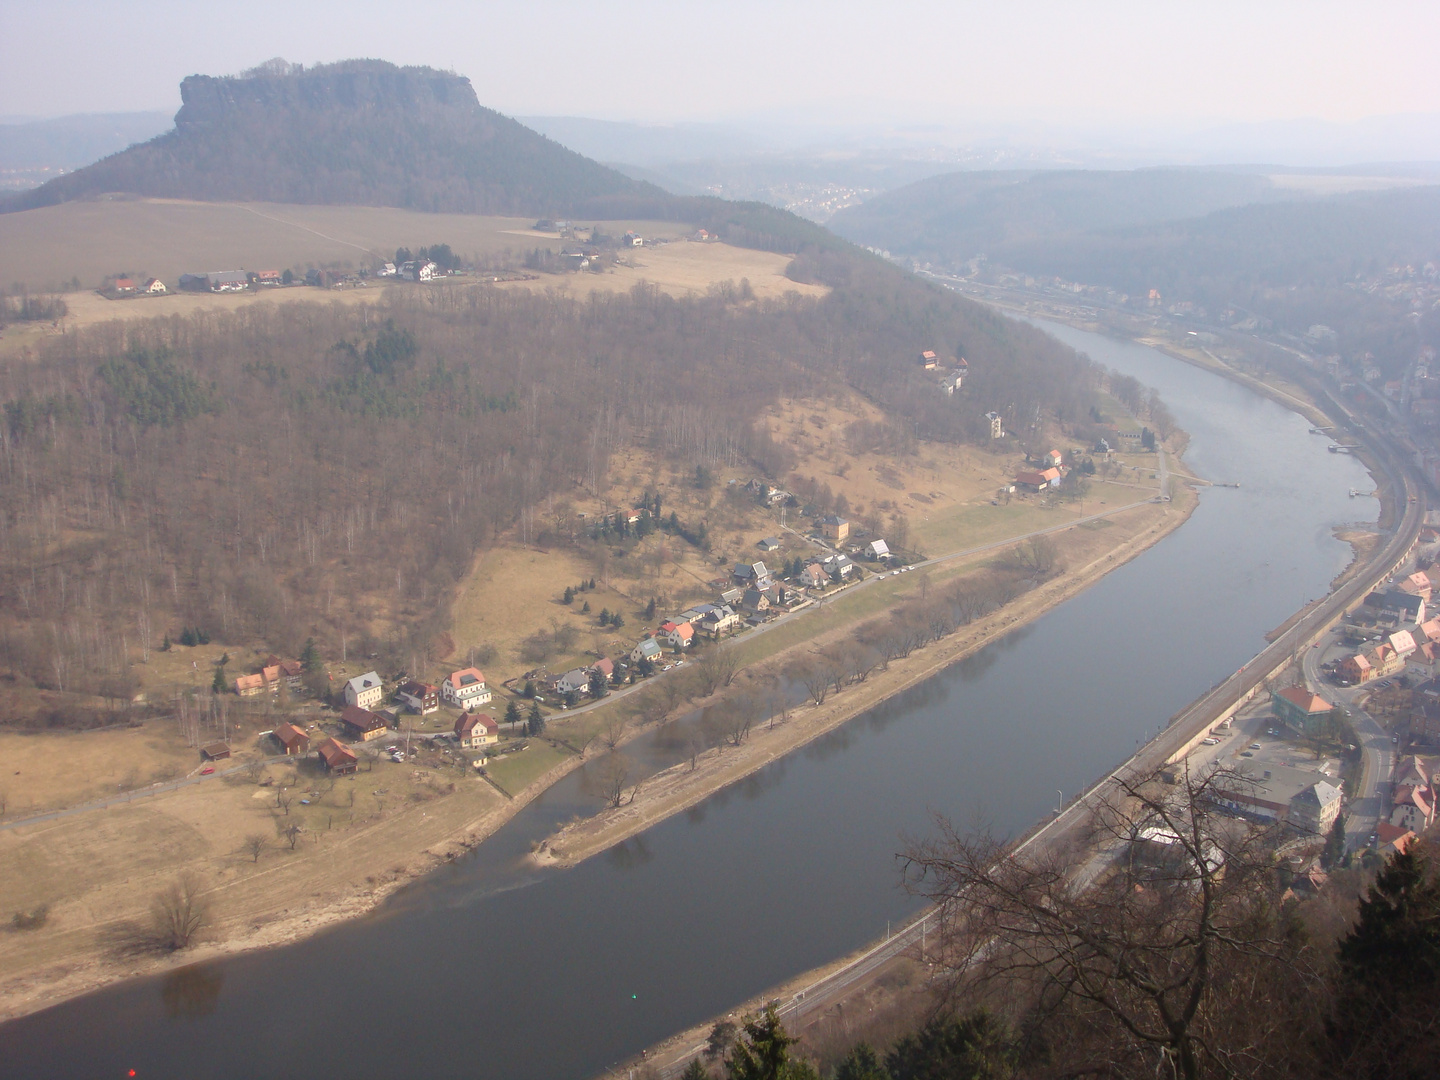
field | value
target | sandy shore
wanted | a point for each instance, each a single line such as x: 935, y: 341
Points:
x: 681, y: 786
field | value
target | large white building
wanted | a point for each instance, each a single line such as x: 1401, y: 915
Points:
x: 364, y: 691
x: 465, y: 688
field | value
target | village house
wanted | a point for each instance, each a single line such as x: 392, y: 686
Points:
x: 878, y: 549
x: 770, y: 543
x: 1037, y: 480
x: 1420, y: 664
x: 835, y: 528
x: 1356, y: 669
x: 293, y: 741
x: 250, y: 685
x: 268, y: 277
x: 475, y: 730
x: 465, y: 688
x: 1417, y: 584
x: 270, y: 673
x: 419, y: 697
x: 928, y: 360
x: 123, y: 285
x: 574, y: 681
x: 731, y: 596
x: 227, y: 281
x: 154, y: 287
x: 755, y: 601
x: 1054, y: 460
x: 1392, y: 839
x: 839, y: 567
x: 1300, y: 710
x: 647, y: 649
x: 604, y: 666
x: 680, y: 635
x: 718, y: 620
x: 1315, y: 809
x: 364, y: 691
x: 1396, y: 607
x: 293, y: 672
x: 336, y: 758
x: 814, y: 577
x: 360, y: 723
x: 751, y: 573
x: 1402, y: 642
x: 1413, y: 802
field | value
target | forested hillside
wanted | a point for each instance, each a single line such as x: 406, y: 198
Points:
x: 1355, y: 263
x: 957, y: 216
x: 280, y: 473
x: 363, y: 132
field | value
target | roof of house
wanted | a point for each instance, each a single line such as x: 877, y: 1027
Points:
x: 361, y: 719
x: 833, y: 519
x: 248, y: 682
x: 668, y: 626
x: 769, y: 543
x: 1319, y: 794
x: 1430, y: 629
x: 289, y: 734
x: 465, y: 677
x: 1416, y: 583
x: 1397, y: 836
x: 291, y: 668
x: 684, y: 631
x: 364, y: 682
x: 1032, y: 477
x: 415, y: 688
x: 336, y: 753
x: 604, y: 665
x: 574, y: 679
x: 879, y: 547
x: 216, y: 749
x: 468, y: 722
x: 1358, y: 660
x: 1402, y: 642
x: 1303, y: 699
x: 648, y: 647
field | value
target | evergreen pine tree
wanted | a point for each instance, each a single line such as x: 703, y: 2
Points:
x: 585, y: 610
x: 512, y: 713
x: 1334, y: 844
x: 310, y: 658
x: 218, y: 684
x: 569, y: 594
x: 535, y: 725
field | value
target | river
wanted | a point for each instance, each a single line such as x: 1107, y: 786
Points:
x: 488, y: 969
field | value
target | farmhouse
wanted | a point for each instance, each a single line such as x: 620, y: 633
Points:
x: 292, y: 740
x: 814, y: 577
x: 834, y: 527
x: 680, y: 635
x: 878, y: 549
x: 649, y: 649
x: 465, y: 688
x: 419, y: 697
x: 475, y: 730
x: 250, y: 685
x: 227, y: 280
x: 154, y: 287
x: 336, y: 757
x: 575, y: 681
x: 362, y: 724
x: 364, y: 691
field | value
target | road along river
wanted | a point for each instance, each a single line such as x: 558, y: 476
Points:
x: 492, y: 968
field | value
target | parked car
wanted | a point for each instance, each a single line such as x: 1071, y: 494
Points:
x: 1254, y: 746
x: 207, y: 770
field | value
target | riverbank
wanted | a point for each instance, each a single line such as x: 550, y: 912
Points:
x: 345, y: 874
x: 685, y: 785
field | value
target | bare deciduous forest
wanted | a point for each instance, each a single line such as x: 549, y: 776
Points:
x: 307, y: 470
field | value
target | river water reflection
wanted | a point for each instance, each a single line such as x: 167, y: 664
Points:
x: 490, y: 970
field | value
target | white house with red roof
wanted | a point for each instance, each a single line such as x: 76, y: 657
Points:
x: 680, y: 635
x: 465, y: 688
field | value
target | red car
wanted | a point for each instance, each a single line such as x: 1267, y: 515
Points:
x: 207, y: 770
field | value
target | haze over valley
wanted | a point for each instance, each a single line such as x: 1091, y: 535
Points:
x: 878, y: 546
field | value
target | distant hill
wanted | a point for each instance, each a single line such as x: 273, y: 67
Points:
x: 34, y: 151
x: 960, y: 215
x: 359, y: 132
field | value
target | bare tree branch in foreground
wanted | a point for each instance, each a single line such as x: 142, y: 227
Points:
x: 1160, y: 955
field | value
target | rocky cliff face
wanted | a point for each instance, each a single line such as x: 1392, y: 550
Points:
x: 362, y: 132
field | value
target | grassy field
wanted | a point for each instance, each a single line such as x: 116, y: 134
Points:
x: 165, y: 238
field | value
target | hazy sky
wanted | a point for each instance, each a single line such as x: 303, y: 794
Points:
x: 1078, y: 61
